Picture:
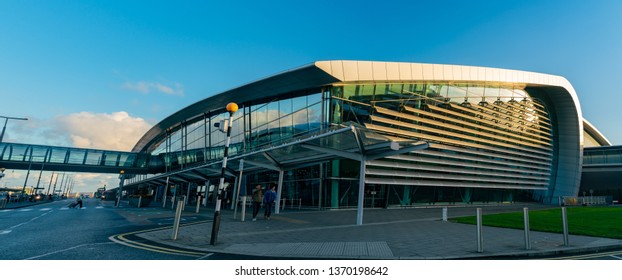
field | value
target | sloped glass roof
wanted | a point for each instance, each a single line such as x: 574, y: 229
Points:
x: 350, y: 141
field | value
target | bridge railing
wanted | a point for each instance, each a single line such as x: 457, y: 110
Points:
x: 587, y: 200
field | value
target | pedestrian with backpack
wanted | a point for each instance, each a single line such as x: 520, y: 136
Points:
x: 268, y: 202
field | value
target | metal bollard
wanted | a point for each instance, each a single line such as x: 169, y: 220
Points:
x: 198, y: 204
x: 243, y: 208
x: 177, y: 220
x: 140, y: 198
x: 565, y: 226
x: 526, y: 220
x: 480, y: 239
x: 444, y: 214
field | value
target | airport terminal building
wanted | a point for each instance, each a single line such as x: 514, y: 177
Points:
x: 340, y: 134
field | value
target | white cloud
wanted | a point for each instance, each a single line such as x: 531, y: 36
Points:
x: 147, y: 87
x: 117, y: 131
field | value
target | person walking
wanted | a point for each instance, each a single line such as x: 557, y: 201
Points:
x: 268, y: 202
x: 257, y: 197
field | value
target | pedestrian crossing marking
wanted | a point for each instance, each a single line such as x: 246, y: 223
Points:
x: 45, y: 209
x: 24, y: 210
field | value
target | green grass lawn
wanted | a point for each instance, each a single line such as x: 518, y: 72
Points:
x: 590, y: 221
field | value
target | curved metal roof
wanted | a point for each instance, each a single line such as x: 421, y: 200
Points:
x: 303, y: 78
x: 322, y: 73
x: 592, y: 131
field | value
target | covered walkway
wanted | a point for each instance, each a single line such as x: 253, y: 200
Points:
x: 350, y: 142
x: 53, y: 158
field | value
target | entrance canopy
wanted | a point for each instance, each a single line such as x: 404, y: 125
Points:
x: 351, y: 142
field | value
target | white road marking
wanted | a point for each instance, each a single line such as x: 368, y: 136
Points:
x: 99, y: 207
x: 619, y: 258
x: 70, y: 248
x: 45, y: 209
x: 6, y: 210
x: 25, y: 210
x: 5, y: 231
x: 206, y: 256
x: 18, y: 225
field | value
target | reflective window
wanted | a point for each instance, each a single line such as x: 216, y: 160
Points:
x: 76, y: 156
x: 58, y: 155
x: 111, y: 158
x: 502, y: 135
x: 93, y: 157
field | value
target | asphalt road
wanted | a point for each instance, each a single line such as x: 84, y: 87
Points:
x: 52, y: 231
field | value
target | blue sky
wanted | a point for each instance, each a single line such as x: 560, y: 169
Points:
x: 78, y: 69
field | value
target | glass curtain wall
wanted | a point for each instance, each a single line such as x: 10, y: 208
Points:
x: 254, y: 126
x: 490, y: 143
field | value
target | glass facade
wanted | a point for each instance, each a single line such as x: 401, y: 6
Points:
x: 487, y: 143
x: 254, y: 126
x: 602, y: 155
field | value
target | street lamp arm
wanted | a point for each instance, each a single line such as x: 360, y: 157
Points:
x: 6, y: 120
x: 14, y: 118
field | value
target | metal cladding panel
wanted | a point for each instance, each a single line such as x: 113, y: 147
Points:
x: 365, y: 70
x: 379, y: 70
x: 336, y: 69
x: 405, y: 71
x: 448, y: 73
x: 501, y: 75
x: 350, y: 71
x: 428, y: 72
x: 438, y: 72
x: 392, y: 70
x: 481, y: 74
x: 466, y: 73
x: 417, y: 72
x: 457, y: 72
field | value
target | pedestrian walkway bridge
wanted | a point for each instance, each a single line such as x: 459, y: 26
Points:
x: 53, y: 158
x: 606, y: 158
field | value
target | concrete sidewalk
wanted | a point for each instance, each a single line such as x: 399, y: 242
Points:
x: 413, y: 233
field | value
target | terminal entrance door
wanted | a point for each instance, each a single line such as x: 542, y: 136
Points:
x: 375, y: 196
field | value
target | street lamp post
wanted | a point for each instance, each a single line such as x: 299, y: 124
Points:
x: 6, y: 120
x: 26, y: 180
x: 121, y: 179
x: 231, y: 108
x: 51, y: 177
